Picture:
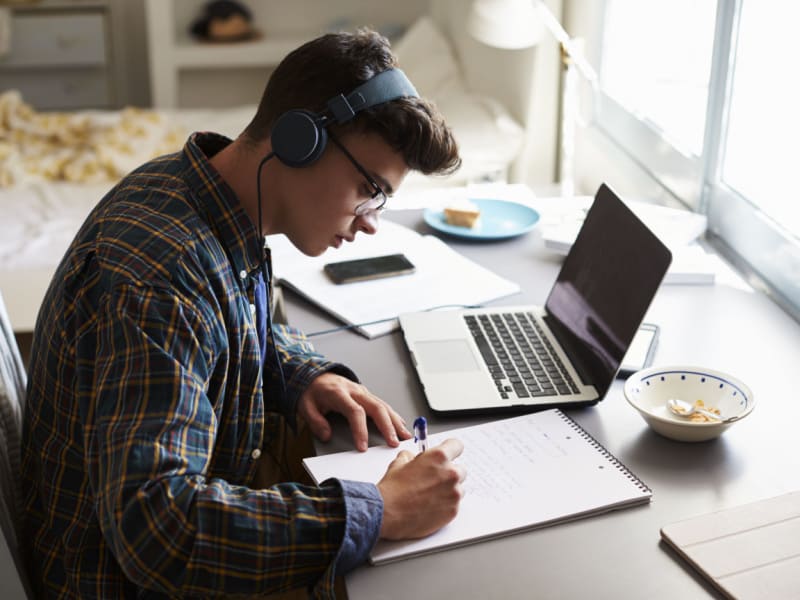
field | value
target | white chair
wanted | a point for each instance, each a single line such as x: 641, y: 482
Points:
x: 12, y: 398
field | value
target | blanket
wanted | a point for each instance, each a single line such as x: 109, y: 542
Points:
x: 79, y: 147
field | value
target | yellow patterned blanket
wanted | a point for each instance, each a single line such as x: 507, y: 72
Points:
x: 83, y: 147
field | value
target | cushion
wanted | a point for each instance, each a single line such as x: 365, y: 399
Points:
x: 425, y: 55
x: 489, y: 139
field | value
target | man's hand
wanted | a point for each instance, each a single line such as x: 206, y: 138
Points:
x: 331, y: 392
x: 421, y: 494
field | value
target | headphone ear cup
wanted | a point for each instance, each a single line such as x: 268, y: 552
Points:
x: 297, y: 138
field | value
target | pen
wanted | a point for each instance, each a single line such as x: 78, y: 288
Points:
x: 421, y: 433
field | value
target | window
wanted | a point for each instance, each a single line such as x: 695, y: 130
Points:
x: 761, y: 153
x: 704, y: 95
x: 663, y: 83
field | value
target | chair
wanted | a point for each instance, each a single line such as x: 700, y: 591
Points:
x: 13, y: 381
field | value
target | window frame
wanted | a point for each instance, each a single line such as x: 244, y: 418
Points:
x: 768, y: 255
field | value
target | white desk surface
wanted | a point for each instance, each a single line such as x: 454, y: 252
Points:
x: 616, y: 555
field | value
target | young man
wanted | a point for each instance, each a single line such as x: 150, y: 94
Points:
x: 156, y: 379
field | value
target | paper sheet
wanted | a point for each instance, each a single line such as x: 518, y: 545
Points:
x: 443, y: 277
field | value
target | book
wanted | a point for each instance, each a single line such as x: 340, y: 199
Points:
x: 692, y: 265
x: 562, y: 218
x: 749, y: 551
x: 524, y: 472
x: 442, y: 278
x: 677, y: 228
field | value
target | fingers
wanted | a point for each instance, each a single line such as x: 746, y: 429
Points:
x: 452, y: 448
x: 423, y: 493
x: 357, y: 419
x: 403, y: 457
x: 399, y: 423
x: 386, y: 420
x: 391, y: 425
x: 317, y: 423
x: 332, y: 392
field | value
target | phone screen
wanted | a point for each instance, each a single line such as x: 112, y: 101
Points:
x: 362, y: 269
x: 641, y: 352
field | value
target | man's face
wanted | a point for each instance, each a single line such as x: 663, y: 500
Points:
x: 322, y: 200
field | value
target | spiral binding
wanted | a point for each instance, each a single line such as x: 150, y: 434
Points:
x: 620, y: 466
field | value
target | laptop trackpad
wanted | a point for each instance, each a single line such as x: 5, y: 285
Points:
x: 447, y: 355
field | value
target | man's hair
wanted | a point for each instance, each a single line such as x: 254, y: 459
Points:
x: 337, y: 63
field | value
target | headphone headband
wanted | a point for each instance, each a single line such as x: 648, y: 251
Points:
x: 299, y: 136
x: 383, y: 87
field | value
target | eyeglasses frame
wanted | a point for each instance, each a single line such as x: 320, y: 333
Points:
x: 378, y: 193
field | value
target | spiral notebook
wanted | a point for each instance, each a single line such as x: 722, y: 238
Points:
x: 522, y: 473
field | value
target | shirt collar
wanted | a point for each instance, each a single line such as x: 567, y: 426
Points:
x: 220, y: 205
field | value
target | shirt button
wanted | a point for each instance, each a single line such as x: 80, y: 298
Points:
x: 255, y: 454
x: 252, y: 309
x: 242, y: 274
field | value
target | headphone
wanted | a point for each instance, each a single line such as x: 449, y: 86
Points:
x: 299, y: 136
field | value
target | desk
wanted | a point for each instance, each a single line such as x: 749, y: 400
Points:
x: 616, y: 555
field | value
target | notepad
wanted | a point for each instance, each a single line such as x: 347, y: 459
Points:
x: 442, y: 278
x: 522, y: 473
x: 749, y: 551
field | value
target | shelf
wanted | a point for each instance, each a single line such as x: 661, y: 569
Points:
x: 59, y: 56
x: 177, y: 61
x: 188, y: 54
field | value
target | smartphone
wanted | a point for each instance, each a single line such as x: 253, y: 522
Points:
x: 363, y: 269
x: 642, y: 350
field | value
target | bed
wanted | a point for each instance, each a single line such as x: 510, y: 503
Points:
x: 43, y: 207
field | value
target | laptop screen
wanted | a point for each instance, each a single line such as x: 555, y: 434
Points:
x: 600, y: 297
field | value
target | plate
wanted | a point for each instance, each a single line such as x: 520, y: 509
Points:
x: 500, y: 219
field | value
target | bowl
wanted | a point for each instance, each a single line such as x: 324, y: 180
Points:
x: 649, y: 389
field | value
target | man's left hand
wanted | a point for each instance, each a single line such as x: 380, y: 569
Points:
x: 333, y: 393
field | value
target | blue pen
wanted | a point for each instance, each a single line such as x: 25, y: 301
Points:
x: 421, y: 433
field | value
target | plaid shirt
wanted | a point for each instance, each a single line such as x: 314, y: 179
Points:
x: 145, y: 413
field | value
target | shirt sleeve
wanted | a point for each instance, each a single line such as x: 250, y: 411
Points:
x: 301, y: 364
x: 364, y: 518
x: 150, y: 431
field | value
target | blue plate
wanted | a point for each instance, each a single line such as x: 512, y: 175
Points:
x: 500, y: 219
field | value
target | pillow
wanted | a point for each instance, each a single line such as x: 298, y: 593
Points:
x: 426, y: 57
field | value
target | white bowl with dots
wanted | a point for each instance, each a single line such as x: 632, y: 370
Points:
x: 649, y: 390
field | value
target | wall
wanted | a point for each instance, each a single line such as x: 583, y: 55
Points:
x: 526, y: 81
x: 129, y: 43
x: 130, y: 40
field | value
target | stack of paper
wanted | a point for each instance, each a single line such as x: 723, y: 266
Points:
x: 679, y: 229
x: 562, y: 218
x: 443, y: 278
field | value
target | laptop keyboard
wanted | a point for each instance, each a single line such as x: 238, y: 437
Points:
x: 520, y: 357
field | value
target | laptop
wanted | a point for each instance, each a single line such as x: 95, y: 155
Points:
x: 565, y: 354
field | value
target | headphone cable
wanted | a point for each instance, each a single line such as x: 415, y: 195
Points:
x: 265, y: 274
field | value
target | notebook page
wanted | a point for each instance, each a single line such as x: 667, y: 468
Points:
x: 522, y: 472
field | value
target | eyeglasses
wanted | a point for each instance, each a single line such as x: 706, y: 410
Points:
x: 376, y: 202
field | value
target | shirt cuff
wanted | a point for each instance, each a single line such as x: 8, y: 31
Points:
x: 364, y: 510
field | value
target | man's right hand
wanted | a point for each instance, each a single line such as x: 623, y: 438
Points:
x: 421, y: 493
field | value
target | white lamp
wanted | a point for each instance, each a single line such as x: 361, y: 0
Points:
x: 507, y: 24
x: 517, y: 24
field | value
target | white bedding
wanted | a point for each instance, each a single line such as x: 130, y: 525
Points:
x: 40, y: 218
